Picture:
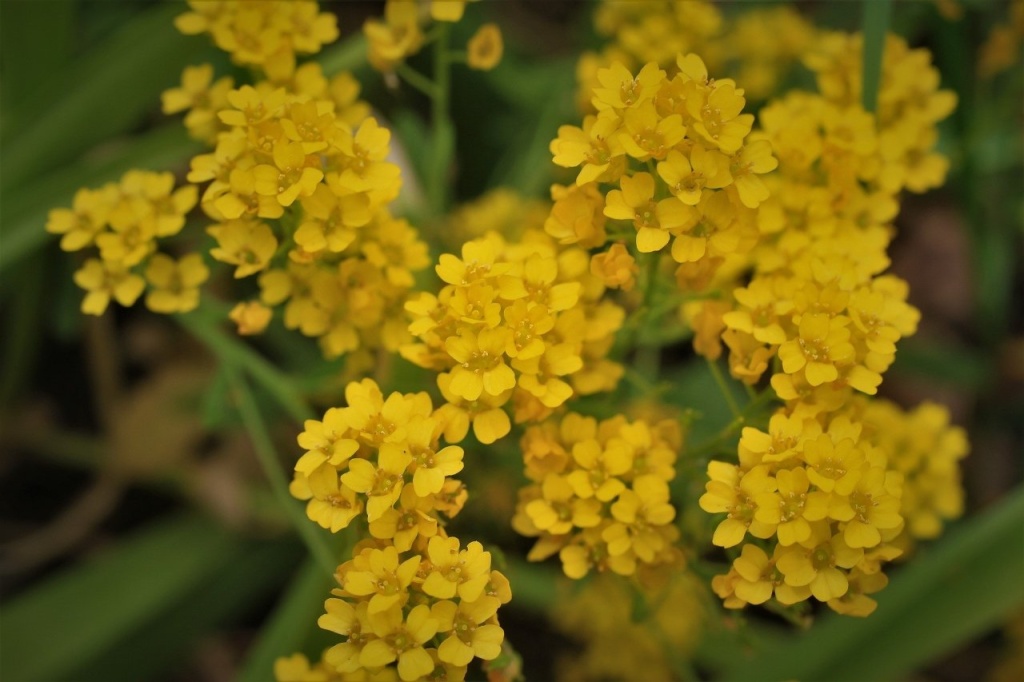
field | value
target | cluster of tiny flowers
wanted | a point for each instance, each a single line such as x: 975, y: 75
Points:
x: 599, y: 495
x: 299, y: 181
x: 410, y: 593
x: 926, y: 449
x: 400, y: 34
x: 521, y: 323
x: 758, y: 46
x: 701, y: 183
x: 261, y: 33
x: 819, y: 311
x: 123, y: 221
x: 614, y: 643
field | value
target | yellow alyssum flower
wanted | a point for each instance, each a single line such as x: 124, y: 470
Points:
x: 104, y: 280
x: 484, y: 50
x: 175, y: 284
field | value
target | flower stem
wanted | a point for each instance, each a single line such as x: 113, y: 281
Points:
x: 716, y: 372
x: 265, y: 453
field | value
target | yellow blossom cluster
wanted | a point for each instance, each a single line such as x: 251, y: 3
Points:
x: 615, y: 644
x: 411, y: 594
x: 1004, y: 46
x: 298, y: 181
x: 124, y: 221
x: 757, y: 46
x: 701, y: 183
x: 599, y: 494
x: 521, y: 323
x: 400, y: 34
x: 820, y: 313
x: 927, y: 450
x: 262, y: 33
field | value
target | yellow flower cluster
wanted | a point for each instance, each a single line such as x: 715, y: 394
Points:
x: 758, y: 46
x: 400, y: 34
x: 620, y: 641
x: 926, y: 449
x: 702, y: 179
x: 1004, y: 46
x: 299, y: 181
x: 521, y: 323
x: 123, y: 221
x: 599, y: 495
x: 262, y: 33
x: 818, y: 311
x: 410, y: 593
x: 654, y: 31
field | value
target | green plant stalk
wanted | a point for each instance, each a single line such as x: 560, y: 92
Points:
x: 875, y: 26
x: 265, y: 453
x: 716, y: 372
x: 230, y: 352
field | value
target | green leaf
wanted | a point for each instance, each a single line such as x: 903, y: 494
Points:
x: 85, y: 615
x: 34, y: 45
x: 105, y: 92
x: 876, y: 24
x: 291, y: 624
x: 945, y: 595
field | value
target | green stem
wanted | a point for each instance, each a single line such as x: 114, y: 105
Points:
x: 267, y: 456
x: 416, y: 79
x: 230, y: 351
x: 876, y: 24
x: 716, y: 372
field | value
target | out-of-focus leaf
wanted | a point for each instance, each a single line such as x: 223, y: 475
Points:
x: 33, y: 45
x: 86, y: 614
x: 946, y: 594
x: 875, y: 26
x: 291, y: 624
x: 23, y: 213
x: 104, y: 93
x: 943, y: 362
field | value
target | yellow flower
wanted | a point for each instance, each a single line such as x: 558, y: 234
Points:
x: 401, y: 640
x: 395, y: 38
x: 105, y: 279
x: 176, y: 283
x: 481, y: 366
x: 410, y: 521
x: 452, y: 571
x: 252, y: 317
x: 616, y: 267
x: 331, y: 505
x: 792, y: 506
x: 483, y: 52
x: 381, y: 576
x: 247, y: 244
x: 735, y: 492
x: 652, y: 220
x: 381, y: 483
x: 290, y: 177
x: 472, y: 632
x: 595, y: 146
x: 688, y: 177
x: 620, y: 90
x: 87, y: 218
x: 353, y: 623
x: 823, y: 343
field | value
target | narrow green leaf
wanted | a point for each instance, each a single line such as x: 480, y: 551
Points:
x: 876, y: 24
x: 105, y: 92
x: 54, y: 629
x: 229, y: 595
x: 34, y: 45
x: 291, y: 624
x: 204, y: 324
x: 945, y: 595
